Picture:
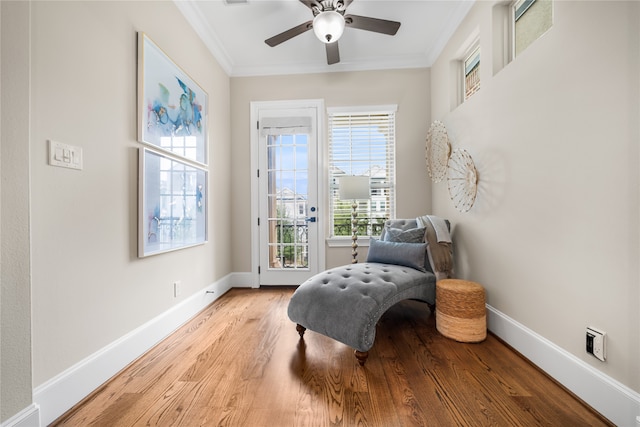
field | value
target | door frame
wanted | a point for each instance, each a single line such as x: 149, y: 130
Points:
x: 256, y: 107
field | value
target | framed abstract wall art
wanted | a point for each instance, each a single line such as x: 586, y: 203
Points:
x: 172, y: 201
x: 172, y: 108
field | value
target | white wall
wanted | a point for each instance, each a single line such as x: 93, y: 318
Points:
x: 554, y: 234
x: 409, y: 89
x: 15, y: 324
x: 89, y: 287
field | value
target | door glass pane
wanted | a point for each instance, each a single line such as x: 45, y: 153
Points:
x: 287, y: 188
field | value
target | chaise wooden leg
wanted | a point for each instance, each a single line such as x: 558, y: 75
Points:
x: 300, y: 330
x: 361, y: 356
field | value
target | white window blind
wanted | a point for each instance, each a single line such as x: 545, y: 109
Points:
x: 362, y: 143
x: 285, y: 126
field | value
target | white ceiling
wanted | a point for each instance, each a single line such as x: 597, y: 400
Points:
x: 235, y: 34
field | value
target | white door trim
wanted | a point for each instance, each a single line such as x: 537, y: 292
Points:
x: 322, y: 204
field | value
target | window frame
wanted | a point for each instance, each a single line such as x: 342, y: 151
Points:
x: 475, y: 56
x: 331, y: 178
x: 518, y: 9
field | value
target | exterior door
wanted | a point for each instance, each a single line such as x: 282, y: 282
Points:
x: 288, y: 227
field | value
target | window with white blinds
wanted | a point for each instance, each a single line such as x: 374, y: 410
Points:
x: 362, y: 143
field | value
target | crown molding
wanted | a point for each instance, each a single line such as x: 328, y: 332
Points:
x: 370, y: 64
x: 456, y: 18
x: 193, y: 15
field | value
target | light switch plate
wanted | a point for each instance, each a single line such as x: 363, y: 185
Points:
x: 65, y: 155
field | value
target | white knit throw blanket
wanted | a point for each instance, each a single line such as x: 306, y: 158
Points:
x: 439, y: 246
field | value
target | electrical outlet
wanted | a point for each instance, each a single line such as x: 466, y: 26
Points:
x: 177, y: 289
x: 596, y: 345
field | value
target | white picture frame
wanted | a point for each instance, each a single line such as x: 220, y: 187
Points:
x: 172, y: 107
x: 173, y: 203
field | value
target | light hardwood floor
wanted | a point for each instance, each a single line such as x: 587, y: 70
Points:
x: 240, y: 363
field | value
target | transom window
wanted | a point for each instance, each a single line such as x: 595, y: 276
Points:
x: 531, y: 19
x: 472, y: 73
x: 362, y: 143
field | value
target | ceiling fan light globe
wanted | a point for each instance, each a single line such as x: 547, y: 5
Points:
x: 328, y: 26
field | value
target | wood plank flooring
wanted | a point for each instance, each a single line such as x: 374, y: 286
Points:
x: 240, y: 363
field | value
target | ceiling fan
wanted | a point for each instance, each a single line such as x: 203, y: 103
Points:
x: 329, y: 21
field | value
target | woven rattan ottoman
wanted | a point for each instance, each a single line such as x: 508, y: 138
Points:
x: 460, y: 310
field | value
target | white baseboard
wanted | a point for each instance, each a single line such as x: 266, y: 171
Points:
x: 242, y: 280
x: 28, y: 417
x: 60, y: 393
x: 615, y: 401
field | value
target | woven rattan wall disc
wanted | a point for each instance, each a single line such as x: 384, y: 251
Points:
x: 438, y: 150
x: 462, y: 179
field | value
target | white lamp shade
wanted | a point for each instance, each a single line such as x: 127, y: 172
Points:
x: 354, y: 187
x: 328, y: 26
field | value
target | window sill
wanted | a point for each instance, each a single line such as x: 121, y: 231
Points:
x: 345, y: 242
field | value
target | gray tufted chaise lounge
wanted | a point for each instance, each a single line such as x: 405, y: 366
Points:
x: 345, y: 303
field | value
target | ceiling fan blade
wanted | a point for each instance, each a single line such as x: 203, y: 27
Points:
x: 372, y: 24
x: 312, y: 3
x: 346, y: 3
x: 333, y: 53
x: 290, y: 33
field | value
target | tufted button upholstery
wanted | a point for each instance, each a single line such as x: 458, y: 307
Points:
x: 345, y: 303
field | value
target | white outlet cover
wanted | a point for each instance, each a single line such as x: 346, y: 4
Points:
x: 177, y: 289
x: 599, y: 344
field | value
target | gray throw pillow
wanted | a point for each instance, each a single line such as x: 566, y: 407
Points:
x: 407, y: 254
x: 412, y: 235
